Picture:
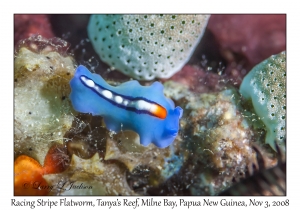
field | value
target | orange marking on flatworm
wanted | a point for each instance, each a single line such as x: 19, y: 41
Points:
x: 160, y: 111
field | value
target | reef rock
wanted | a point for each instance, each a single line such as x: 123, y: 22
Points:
x: 219, y: 140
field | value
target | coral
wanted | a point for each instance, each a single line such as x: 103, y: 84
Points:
x: 265, y: 86
x: 129, y: 106
x: 146, y: 46
x: 42, y: 110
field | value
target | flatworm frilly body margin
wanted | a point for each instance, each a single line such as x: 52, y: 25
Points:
x: 129, y: 106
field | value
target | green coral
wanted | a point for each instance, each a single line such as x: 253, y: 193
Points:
x: 265, y: 86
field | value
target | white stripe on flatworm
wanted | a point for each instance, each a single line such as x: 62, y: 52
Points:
x: 107, y: 94
x: 125, y: 102
x: 139, y: 104
x: 88, y: 82
x: 118, y: 99
x: 97, y: 89
x: 153, y: 108
x: 142, y: 105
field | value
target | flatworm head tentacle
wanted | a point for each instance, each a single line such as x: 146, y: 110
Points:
x: 130, y: 106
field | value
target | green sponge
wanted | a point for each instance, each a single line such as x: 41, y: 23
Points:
x: 146, y: 46
x: 265, y: 85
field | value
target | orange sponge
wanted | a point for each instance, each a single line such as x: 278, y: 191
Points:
x: 29, y: 173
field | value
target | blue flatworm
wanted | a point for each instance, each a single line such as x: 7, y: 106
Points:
x: 129, y: 106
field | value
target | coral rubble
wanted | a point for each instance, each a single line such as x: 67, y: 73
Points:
x: 220, y: 141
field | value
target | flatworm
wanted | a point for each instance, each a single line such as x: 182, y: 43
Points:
x: 129, y: 106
